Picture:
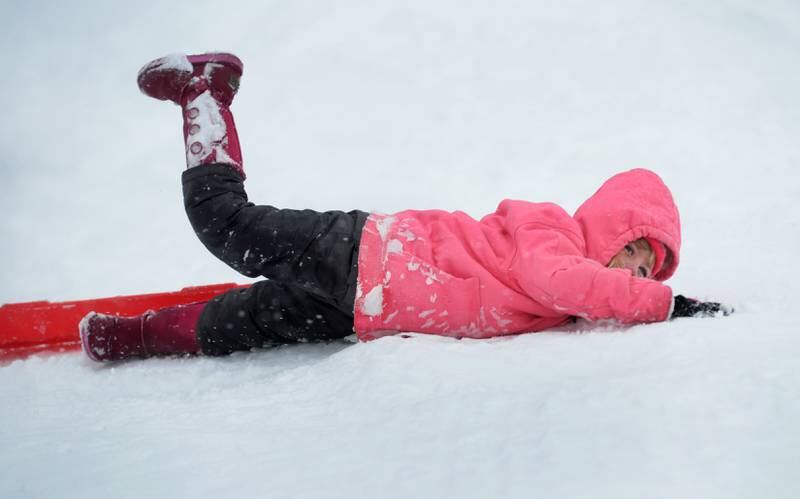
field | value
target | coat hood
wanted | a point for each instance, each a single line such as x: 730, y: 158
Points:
x: 629, y: 206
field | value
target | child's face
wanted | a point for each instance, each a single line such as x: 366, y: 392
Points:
x: 636, y: 256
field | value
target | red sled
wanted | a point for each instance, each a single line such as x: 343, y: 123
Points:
x: 42, y: 326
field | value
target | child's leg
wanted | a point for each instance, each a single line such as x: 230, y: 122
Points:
x: 269, y: 313
x: 315, y: 251
x: 265, y: 314
x: 313, y: 254
x: 168, y: 331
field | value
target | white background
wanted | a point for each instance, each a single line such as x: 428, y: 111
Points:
x: 385, y: 106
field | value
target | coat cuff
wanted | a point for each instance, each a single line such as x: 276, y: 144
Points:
x: 671, y: 306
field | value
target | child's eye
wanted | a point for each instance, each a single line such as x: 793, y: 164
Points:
x: 642, y: 272
x: 629, y: 249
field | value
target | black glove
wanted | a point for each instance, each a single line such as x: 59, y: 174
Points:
x: 689, y: 307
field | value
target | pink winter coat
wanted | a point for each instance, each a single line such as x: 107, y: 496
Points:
x: 524, y: 268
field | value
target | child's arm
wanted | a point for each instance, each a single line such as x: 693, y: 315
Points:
x: 550, y: 267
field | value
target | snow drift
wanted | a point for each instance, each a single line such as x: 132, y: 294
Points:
x: 395, y: 106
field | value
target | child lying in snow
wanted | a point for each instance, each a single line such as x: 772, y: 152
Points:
x: 524, y: 268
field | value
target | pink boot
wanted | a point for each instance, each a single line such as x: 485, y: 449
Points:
x: 169, y: 331
x: 204, y: 86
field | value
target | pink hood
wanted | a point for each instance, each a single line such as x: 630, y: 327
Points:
x: 524, y: 268
x: 629, y: 206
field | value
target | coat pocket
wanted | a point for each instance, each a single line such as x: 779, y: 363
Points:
x: 421, y: 297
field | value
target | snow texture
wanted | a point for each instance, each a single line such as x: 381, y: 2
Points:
x: 386, y: 106
x: 207, y: 131
x: 175, y: 61
x: 373, y: 302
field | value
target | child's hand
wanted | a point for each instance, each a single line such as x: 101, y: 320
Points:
x: 689, y: 307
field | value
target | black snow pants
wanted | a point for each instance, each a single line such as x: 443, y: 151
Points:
x: 310, y: 260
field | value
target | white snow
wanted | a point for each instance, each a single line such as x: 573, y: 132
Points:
x: 373, y: 302
x: 394, y: 246
x: 499, y: 318
x: 175, y: 61
x: 207, y: 132
x: 172, y: 61
x: 387, y: 106
x: 384, y: 224
x: 407, y: 234
x: 209, y: 69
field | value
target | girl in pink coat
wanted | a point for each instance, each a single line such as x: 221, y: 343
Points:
x: 526, y: 267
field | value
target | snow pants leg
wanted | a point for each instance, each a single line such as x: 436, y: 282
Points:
x: 310, y: 259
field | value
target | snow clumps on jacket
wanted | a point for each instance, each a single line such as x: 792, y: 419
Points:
x: 524, y: 268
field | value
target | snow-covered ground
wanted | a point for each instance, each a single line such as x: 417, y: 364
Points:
x: 388, y: 105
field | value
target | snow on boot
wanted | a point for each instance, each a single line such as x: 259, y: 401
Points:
x: 166, y: 78
x: 169, y: 331
x: 208, y: 129
x: 204, y: 86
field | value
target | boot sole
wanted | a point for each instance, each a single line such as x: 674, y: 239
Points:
x: 224, y: 58
x: 85, y: 332
x: 164, y: 78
